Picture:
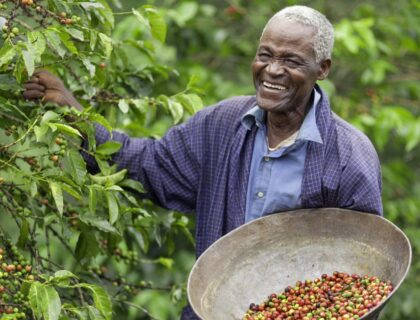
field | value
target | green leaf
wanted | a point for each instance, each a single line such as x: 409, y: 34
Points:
x: 112, y: 207
x: 53, y: 39
x: 33, y: 189
x: 94, y: 314
x: 77, y: 166
x: 62, y: 278
x: 176, y: 110
x: 57, y: 194
x: 40, y: 132
x: 123, y: 105
x: 44, y: 301
x: 132, y: 184
x: 157, y: 24
x: 65, y: 129
x: 413, y: 136
x: 24, y: 234
x: 49, y: 116
x: 92, y: 200
x: 89, y: 67
x: 143, y: 21
x: 86, y: 246
x: 101, y: 120
x: 102, y: 225
x: 141, y: 237
x: 166, y: 262
x: 81, y: 314
x: 38, y: 43
x: 29, y: 62
x: 196, y: 102
x: 91, y: 5
x: 109, y: 179
x: 101, y: 299
x: 106, y: 43
x: 185, y: 12
x: 75, y: 33
x: 71, y: 191
x: 108, y: 148
x: 7, y: 53
x: 66, y: 40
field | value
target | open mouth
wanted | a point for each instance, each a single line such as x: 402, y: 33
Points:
x: 274, y: 86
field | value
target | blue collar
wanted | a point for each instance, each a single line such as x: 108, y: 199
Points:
x: 308, y: 130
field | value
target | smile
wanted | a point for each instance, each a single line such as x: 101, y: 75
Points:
x: 273, y: 86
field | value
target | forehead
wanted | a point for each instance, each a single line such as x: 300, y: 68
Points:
x: 283, y: 34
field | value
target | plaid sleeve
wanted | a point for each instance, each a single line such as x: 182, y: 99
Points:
x: 168, y: 168
x: 361, y: 180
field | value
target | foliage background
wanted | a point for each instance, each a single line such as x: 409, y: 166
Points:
x: 374, y: 83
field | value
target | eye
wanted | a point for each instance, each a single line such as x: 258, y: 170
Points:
x: 291, y: 62
x: 264, y: 56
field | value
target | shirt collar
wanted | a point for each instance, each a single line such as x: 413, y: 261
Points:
x: 308, y: 130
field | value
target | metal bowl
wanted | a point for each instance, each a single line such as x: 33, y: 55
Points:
x: 270, y: 253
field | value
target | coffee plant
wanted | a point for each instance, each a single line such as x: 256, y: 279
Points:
x: 74, y: 244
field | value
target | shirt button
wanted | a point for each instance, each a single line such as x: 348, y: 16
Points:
x: 260, y: 194
x: 266, y: 159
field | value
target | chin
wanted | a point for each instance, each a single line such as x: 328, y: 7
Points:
x: 272, y: 105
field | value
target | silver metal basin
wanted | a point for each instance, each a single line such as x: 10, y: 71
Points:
x: 268, y: 254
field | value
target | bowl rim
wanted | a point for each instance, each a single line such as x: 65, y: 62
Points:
x: 302, y: 211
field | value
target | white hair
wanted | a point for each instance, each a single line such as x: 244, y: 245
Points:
x: 324, y: 32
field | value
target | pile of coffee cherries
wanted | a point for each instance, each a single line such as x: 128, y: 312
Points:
x: 339, y: 296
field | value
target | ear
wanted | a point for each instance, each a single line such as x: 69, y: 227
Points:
x: 324, y: 69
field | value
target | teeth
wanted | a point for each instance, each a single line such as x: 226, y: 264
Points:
x: 273, y: 86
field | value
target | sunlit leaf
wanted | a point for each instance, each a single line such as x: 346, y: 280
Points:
x: 57, y: 194
x: 44, y: 301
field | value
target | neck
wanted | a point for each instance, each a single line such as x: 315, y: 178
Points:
x: 280, y: 126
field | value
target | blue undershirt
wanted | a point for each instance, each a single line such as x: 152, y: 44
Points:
x: 275, y: 177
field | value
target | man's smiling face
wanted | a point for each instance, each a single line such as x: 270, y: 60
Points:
x: 285, y: 68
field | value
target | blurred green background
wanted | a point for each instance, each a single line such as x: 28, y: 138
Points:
x: 374, y: 83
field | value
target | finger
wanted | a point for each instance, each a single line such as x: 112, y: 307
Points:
x: 33, y: 94
x: 44, y: 76
x: 34, y: 78
x: 34, y: 86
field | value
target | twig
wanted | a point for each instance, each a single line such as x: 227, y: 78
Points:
x: 47, y: 238
x: 64, y: 243
x: 130, y: 304
x: 27, y: 26
x: 11, y: 117
x: 23, y: 136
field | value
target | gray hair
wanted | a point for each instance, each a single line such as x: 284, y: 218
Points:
x: 324, y: 32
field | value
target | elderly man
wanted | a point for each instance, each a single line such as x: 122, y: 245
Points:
x: 254, y: 155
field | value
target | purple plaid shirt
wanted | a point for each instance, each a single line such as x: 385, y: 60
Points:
x: 203, y: 166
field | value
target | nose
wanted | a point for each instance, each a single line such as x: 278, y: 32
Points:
x: 275, y: 67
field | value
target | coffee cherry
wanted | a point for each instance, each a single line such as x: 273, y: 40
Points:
x: 54, y: 158
x: 15, y: 31
x: 340, y: 296
x: 102, y: 65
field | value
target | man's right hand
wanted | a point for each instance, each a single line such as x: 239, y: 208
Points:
x: 49, y: 88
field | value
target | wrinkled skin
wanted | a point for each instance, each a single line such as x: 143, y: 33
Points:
x: 49, y: 88
x: 284, y: 72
